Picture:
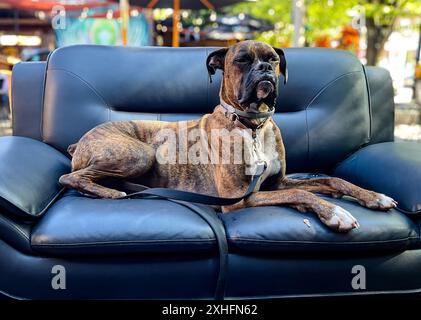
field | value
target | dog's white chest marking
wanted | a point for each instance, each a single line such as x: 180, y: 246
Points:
x: 262, y: 149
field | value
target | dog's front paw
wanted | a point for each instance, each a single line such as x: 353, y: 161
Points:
x: 114, y: 194
x: 379, y: 201
x: 339, y: 219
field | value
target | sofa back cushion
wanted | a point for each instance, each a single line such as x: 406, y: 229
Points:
x: 323, y: 111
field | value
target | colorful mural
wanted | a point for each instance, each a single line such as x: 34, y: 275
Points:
x: 103, y: 31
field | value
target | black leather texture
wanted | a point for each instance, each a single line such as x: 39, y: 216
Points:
x: 29, y: 173
x: 166, y: 276
x: 323, y: 116
x: 27, y: 98
x: 392, y: 168
x: 15, y: 232
x: 280, y: 229
x: 318, y: 275
x: 382, y: 106
x: 80, y: 225
x: 193, y: 276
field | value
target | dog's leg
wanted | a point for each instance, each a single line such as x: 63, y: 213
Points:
x: 337, y: 187
x: 117, y: 156
x: 331, y: 215
x: 84, y: 181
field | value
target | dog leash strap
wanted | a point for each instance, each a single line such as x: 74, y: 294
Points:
x: 197, y: 197
x: 211, y: 218
x: 190, y: 200
x: 218, y: 229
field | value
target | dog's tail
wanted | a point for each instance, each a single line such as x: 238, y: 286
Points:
x: 71, y: 149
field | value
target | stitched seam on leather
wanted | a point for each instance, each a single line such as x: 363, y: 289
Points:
x: 43, y: 95
x: 330, y: 294
x: 13, y: 101
x: 86, y: 83
x: 53, y: 198
x: 119, y: 243
x: 370, y: 113
x: 327, y: 85
x: 19, y: 230
x: 321, y: 242
x: 308, y: 137
x: 315, y: 97
x: 408, y: 212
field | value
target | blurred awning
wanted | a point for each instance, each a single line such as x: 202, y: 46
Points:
x: 184, y: 4
x: 177, y: 5
x: 48, y: 5
x: 246, y: 21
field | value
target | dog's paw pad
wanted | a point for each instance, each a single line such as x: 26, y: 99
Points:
x: 386, y: 202
x: 341, y: 220
x: 115, y: 194
x: 378, y: 201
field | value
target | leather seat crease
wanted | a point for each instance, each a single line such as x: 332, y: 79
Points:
x: 281, y: 229
x: 80, y: 225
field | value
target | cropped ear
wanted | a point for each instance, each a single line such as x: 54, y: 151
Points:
x: 282, y: 63
x: 215, y: 61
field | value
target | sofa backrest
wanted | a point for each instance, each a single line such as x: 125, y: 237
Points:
x: 323, y: 111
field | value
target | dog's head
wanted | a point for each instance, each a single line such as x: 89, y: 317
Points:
x: 251, y: 71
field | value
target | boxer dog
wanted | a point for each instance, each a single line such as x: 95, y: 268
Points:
x: 136, y: 150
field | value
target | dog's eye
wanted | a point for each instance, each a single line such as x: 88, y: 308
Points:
x: 274, y: 60
x: 243, y: 59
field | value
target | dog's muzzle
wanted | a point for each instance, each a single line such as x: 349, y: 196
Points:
x: 264, y: 89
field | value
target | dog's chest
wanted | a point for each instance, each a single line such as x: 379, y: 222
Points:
x: 262, y: 148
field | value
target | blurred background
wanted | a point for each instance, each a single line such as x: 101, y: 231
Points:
x: 386, y: 33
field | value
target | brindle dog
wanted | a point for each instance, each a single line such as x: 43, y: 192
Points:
x: 129, y: 149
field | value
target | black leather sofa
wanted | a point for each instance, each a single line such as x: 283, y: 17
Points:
x: 336, y: 116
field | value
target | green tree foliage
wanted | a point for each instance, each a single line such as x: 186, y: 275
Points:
x: 381, y: 21
x: 327, y: 17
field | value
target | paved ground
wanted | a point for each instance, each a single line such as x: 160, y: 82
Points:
x: 408, y: 132
x: 5, y: 128
x: 408, y: 122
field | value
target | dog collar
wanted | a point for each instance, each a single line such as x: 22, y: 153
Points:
x: 243, y: 117
x: 246, y: 114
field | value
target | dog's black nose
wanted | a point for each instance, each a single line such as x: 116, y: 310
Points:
x: 264, y: 67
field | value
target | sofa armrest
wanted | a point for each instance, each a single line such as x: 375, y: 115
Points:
x: 392, y: 168
x: 382, y: 106
x: 27, y: 92
x: 29, y: 173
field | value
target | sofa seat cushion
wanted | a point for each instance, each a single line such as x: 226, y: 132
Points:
x: 81, y: 225
x: 282, y: 229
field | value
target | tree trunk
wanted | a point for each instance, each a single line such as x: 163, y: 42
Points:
x: 377, y: 36
x: 373, y: 52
